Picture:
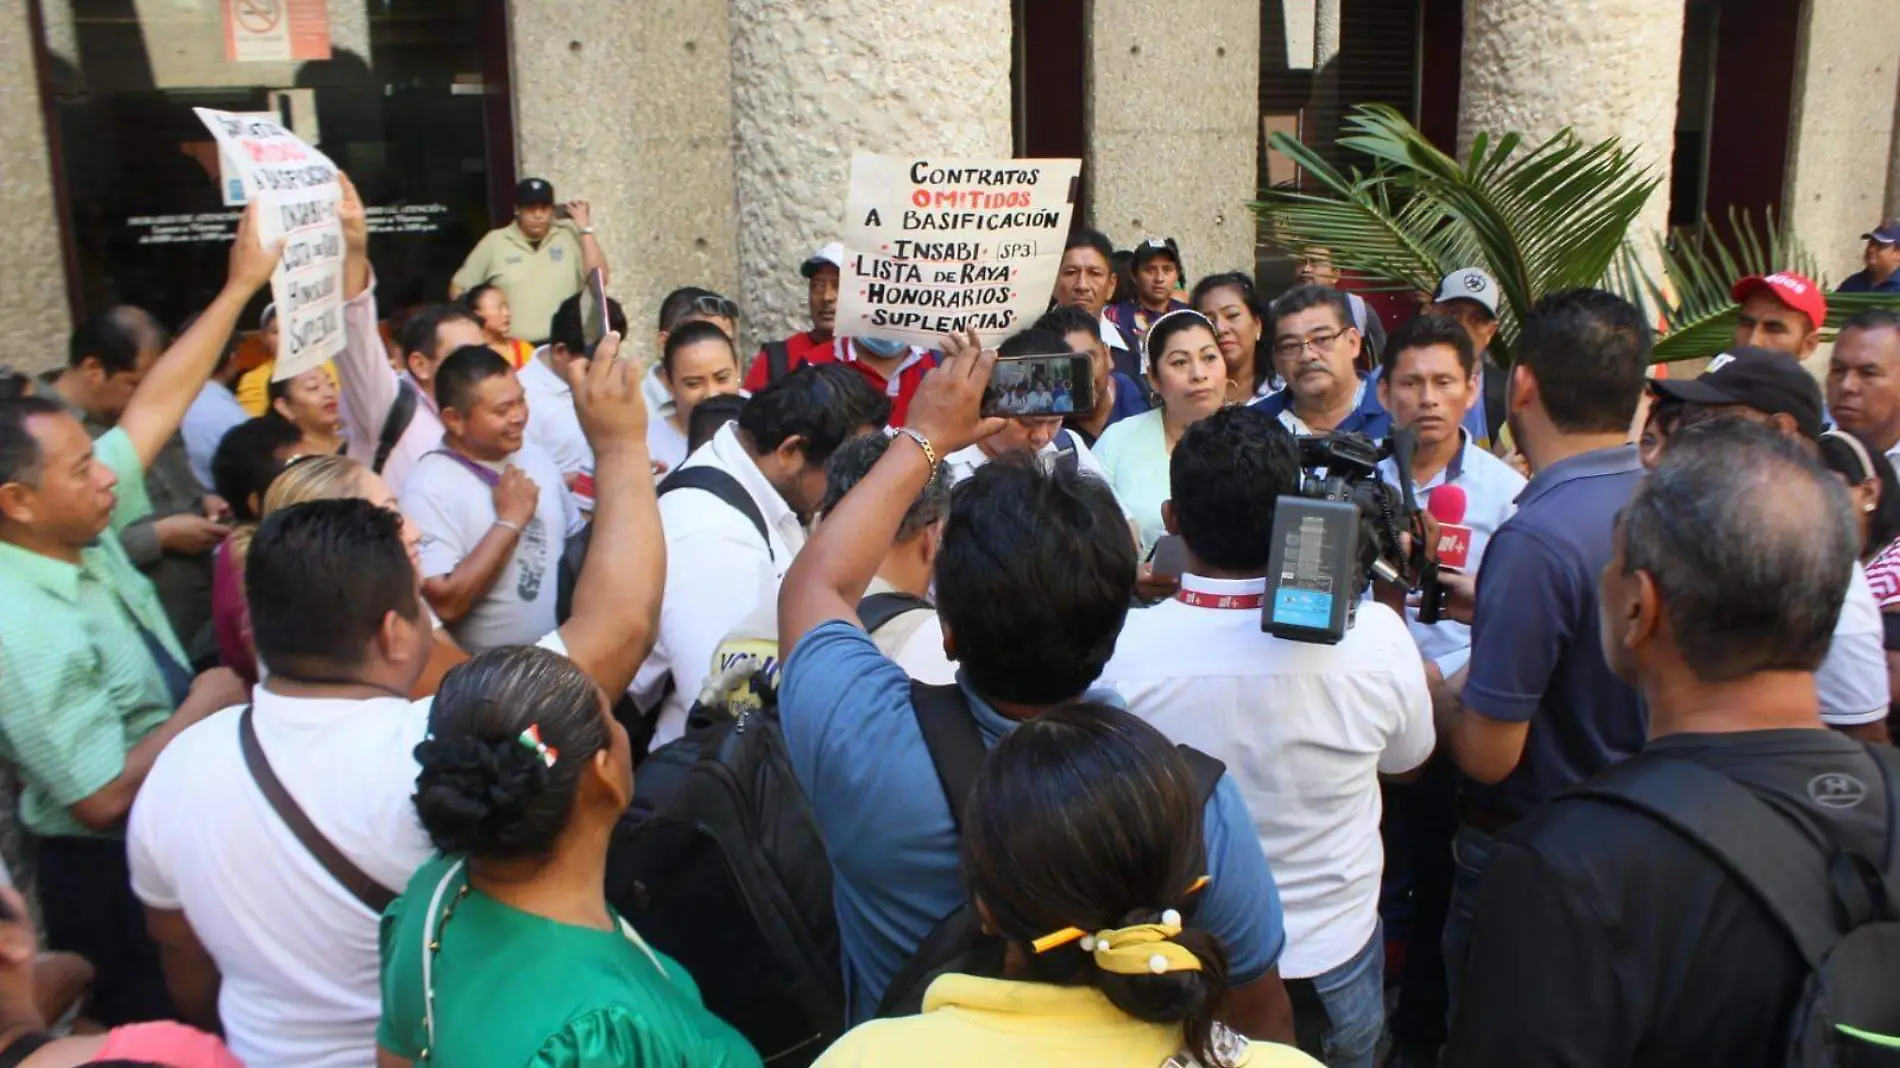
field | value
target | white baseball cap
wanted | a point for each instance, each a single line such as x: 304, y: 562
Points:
x: 831, y: 255
x: 1469, y: 284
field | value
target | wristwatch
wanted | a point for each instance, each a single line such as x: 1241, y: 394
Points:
x: 587, y: 231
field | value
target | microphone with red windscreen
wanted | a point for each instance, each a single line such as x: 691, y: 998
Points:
x: 1447, y: 505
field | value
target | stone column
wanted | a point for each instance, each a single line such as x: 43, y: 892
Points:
x: 1604, y: 68
x: 815, y: 80
x: 632, y: 111
x: 1174, y: 126
x: 33, y: 303
x: 1840, y: 153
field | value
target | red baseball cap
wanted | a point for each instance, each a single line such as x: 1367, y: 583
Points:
x: 1796, y: 291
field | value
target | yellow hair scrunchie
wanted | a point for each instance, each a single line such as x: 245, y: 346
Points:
x: 1147, y: 949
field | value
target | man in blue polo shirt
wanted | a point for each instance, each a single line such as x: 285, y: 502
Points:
x: 1537, y: 709
x: 1882, y: 259
x: 1034, y: 578
x: 1316, y: 351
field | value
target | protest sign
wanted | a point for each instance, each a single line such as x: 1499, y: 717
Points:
x: 935, y: 246
x: 295, y: 188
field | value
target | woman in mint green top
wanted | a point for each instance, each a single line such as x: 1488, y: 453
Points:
x: 1190, y: 377
x: 504, y: 953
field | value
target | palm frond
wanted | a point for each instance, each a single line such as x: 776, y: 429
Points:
x: 1542, y: 218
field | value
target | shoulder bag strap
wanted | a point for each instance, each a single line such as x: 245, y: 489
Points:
x: 489, y: 478
x: 880, y: 608
x: 1785, y: 869
x: 401, y: 414
x: 726, y: 488
x: 430, y: 932
x: 1496, y: 381
x: 18, y: 1050
x: 778, y: 359
x: 953, y: 739
x: 373, y: 895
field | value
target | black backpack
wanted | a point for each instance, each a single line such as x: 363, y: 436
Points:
x: 641, y: 722
x: 719, y: 863
x: 957, y: 943
x: 1838, y: 907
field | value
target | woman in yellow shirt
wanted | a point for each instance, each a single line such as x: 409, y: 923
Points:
x: 1082, y: 848
x: 489, y: 305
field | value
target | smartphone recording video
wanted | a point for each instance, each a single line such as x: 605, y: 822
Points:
x: 1040, y: 385
x: 594, y: 311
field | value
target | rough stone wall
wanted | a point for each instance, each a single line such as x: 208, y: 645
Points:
x: 1602, y: 67
x: 33, y: 300
x: 630, y: 108
x: 815, y: 80
x: 1840, y: 157
x: 1173, y: 116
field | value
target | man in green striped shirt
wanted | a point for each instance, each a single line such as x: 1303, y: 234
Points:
x: 93, y: 682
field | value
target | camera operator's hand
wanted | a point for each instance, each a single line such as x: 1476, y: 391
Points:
x: 1461, y: 595
x: 1151, y: 587
x: 948, y: 407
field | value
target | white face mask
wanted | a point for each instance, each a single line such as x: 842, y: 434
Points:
x: 882, y: 347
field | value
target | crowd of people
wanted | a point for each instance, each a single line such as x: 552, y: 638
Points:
x: 337, y: 701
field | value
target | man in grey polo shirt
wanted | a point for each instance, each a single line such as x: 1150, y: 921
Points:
x: 1537, y: 709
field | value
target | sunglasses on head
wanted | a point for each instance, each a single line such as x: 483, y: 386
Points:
x: 714, y: 306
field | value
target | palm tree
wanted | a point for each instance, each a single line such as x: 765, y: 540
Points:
x: 1542, y: 219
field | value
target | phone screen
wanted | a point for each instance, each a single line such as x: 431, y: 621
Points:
x: 1170, y: 556
x: 594, y: 311
x: 1040, y: 385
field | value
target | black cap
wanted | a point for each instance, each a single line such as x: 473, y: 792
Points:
x: 534, y: 191
x: 1771, y: 382
x: 1152, y: 247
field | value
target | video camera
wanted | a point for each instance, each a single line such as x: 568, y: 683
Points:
x: 1344, y: 528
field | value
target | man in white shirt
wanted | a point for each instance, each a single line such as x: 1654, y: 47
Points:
x: 1429, y: 379
x: 257, y: 934
x: 493, y: 509
x: 371, y: 393
x: 555, y: 426
x: 1304, y: 729
x: 723, y: 563
x: 1086, y: 279
x: 909, y: 632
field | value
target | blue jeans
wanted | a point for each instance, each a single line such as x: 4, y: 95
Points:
x: 1471, y: 855
x: 1354, y: 996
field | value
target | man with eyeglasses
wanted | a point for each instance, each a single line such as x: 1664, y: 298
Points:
x: 892, y: 367
x: 1316, y: 351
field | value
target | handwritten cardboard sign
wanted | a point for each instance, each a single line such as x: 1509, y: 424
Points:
x: 933, y: 246
x: 296, y: 189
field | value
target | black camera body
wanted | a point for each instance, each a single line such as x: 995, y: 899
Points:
x: 1343, y: 529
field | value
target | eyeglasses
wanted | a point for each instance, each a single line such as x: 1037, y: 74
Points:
x: 1322, y: 344
x: 714, y: 306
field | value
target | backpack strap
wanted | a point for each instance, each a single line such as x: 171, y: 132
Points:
x: 1787, y: 871
x: 880, y: 608
x: 1496, y: 381
x: 396, y: 423
x: 954, y: 740
x: 726, y: 488
x: 373, y: 895
x: 778, y: 360
x: 1207, y: 771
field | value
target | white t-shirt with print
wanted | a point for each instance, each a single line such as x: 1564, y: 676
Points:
x: 455, y: 509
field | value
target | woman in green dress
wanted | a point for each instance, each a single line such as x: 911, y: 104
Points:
x: 503, y: 953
